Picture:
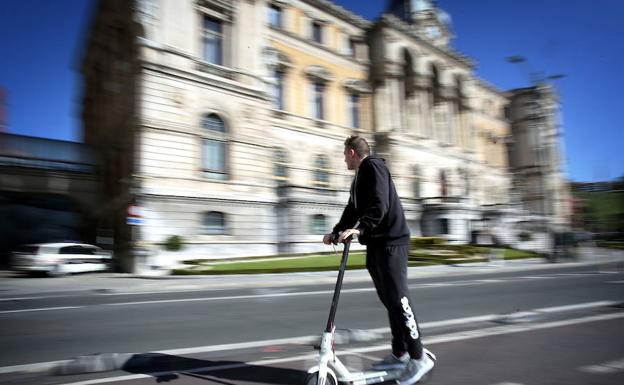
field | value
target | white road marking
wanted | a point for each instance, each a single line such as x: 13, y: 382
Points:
x: 19, y: 298
x: 604, y: 368
x: 577, y: 306
x: 40, y: 309
x: 427, y: 341
x: 249, y: 296
x: 615, y: 281
x: 38, y: 367
x: 508, y: 383
x: 314, y: 338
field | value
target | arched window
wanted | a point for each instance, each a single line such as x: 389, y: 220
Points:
x: 408, y: 73
x: 408, y: 100
x: 213, y: 222
x: 280, y: 158
x: 214, y: 147
x: 321, y: 171
x: 319, y: 224
x: 441, y: 118
x: 435, y: 85
x: 416, y: 181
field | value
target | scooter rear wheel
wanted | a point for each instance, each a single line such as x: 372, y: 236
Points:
x: 312, y: 379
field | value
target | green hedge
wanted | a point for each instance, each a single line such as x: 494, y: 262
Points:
x: 611, y: 244
x: 422, y: 242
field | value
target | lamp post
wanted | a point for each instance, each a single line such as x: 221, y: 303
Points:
x: 535, y: 77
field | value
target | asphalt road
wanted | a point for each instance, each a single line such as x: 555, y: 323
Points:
x: 42, y: 327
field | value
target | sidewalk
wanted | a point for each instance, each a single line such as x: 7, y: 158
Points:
x: 12, y: 285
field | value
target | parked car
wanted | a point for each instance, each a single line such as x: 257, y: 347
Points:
x: 57, y: 259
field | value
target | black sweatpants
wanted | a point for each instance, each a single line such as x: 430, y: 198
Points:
x: 387, y: 266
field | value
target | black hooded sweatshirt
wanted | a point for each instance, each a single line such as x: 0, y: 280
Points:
x: 375, y: 204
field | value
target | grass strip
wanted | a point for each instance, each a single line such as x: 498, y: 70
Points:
x: 308, y: 263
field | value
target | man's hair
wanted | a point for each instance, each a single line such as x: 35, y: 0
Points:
x: 357, y: 144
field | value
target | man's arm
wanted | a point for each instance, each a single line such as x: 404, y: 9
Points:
x: 347, y: 220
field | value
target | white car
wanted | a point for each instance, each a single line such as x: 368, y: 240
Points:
x: 57, y: 259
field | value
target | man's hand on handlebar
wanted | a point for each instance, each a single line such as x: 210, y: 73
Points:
x: 347, y: 234
x: 329, y: 238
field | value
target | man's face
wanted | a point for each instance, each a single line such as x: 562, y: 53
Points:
x: 350, y: 158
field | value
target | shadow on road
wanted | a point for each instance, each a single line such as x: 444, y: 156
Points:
x: 167, y: 368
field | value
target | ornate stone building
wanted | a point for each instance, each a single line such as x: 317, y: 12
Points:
x: 536, y: 156
x: 441, y: 127
x: 225, y: 121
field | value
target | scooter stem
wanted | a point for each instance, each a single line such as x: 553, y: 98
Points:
x: 343, y: 265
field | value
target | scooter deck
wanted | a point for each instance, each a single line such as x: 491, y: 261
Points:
x: 371, y: 377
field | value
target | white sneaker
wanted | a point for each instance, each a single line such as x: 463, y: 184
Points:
x: 391, y: 362
x: 415, y: 370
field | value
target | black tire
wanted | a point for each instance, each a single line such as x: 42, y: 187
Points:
x: 312, y: 379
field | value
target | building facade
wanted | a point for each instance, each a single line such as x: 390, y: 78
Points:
x: 225, y: 121
x: 535, y: 156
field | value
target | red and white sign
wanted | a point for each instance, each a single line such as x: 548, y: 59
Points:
x: 135, y: 215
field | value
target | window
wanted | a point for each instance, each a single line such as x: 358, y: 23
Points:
x: 351, y: 47
x: 281, y: 164
x: 77, y: 250
x: 435, y: 85
x: 416, y: 181
x: 278, y: 89
x: 68, y: 250
x: 275, y: 16
x: 214, y: 147
x: 319, y: 224
x: 354, y: 110
x: 317, y: 32
x: 213, y: 40
x: 213, y: 222
x: 321, y: 172
x: 443, y: 226
x: 318, y: 91
x: 461, y: 94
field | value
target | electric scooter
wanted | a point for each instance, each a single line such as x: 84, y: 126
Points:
x: 330, y: 371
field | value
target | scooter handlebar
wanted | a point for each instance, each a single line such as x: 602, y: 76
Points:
x: 334, y: 239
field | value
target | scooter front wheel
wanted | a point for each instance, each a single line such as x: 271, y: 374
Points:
x: 312, y: 379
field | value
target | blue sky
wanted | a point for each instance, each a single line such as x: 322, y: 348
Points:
x: 41, y: 43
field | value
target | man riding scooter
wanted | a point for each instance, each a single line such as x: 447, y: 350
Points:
x: 374, y: 213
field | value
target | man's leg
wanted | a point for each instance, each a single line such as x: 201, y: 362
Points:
x: 393, y: 271
x: 372, y: 255
x: 375, y: 257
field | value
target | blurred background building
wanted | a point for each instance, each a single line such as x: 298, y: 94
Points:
x: 535, y: 155
x: 224, y: 122
x: 48, y: 192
